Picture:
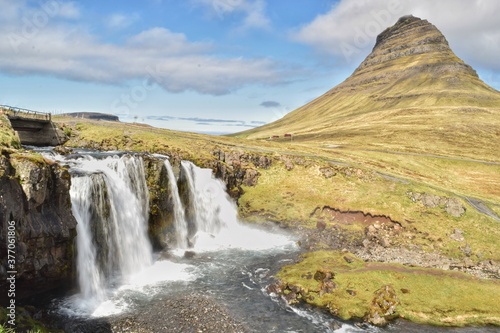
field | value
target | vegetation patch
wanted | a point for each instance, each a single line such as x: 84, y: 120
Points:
x: 8, y: 137
x: 361, y: 290
x: 296, y: 196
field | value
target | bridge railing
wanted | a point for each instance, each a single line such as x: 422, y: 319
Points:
x: 25, y: 113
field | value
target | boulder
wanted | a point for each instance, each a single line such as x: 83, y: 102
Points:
x: 454, y: 207
x: 383, y: 306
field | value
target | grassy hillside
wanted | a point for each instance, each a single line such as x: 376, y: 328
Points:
x: 411, y: 94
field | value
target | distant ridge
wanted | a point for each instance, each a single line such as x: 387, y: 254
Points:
x: 92, y: 115
x: 410, y: 93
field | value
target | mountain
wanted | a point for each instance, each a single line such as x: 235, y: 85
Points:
x: 411, y: 93
x: 92, y: 115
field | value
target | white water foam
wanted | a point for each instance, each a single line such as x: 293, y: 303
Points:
x: 216, y: 217
x: 143, y: 282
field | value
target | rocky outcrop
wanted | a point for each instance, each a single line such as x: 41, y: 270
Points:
x: 383, y: 306
x: 237, y: 168
x: 412, y: 36
x: 35, y: 195
x: 452, y: 206
x: 160, y: 201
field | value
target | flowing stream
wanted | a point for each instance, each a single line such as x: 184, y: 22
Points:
x: 232, y: 262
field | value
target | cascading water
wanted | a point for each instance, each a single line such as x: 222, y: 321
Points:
x: 110, y: 203
x: 180, y: 224
x: 214, y: 216
x: 90, y: 277
x: 206, y: 196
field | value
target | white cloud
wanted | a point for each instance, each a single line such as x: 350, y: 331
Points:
x: 348, y: 30
x: 68, y: 10
x: 158, y: 55
x: 254, y: 11
x: 256, y: 16
x: 120, y: 21
x: 161, y: 40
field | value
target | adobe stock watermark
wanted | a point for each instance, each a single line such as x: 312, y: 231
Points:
x: 11, y: 273
x: 363, y: 36
x: 137, y: 94
x: 224, y: 6
x: 33, y: 23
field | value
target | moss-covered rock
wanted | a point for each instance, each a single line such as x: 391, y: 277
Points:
x: 383, y: 306
x: 160, y: 201
x: 8, y: 137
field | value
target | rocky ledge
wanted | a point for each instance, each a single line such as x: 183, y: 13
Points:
x: 34, y: 194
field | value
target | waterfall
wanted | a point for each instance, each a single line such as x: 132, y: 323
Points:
x: 180, y: 223
x: 89, y: 275
x: 215, y: 217
x: 209, y: 201
x: 110, y: 203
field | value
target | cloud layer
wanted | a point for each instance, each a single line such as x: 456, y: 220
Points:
x: 253, y: 11
x: 43, y: 40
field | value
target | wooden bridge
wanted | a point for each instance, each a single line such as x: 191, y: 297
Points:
x: 34, y: 128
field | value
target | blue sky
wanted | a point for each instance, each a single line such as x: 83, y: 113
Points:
x: 213, y: 66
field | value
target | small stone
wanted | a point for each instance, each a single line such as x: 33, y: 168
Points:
x: 457, y: 235
x: 189, y: 254
x: 430, y: 200
x: 454, y: 207
x: 291, y: 298
x: 348, y: 259
x: 385, y: 242
x: 335, y: 326
x: 468, y: 263
x: 466, y: 250
x: 351, y: 292
x: 321, y: 225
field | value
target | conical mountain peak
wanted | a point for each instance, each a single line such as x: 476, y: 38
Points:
x: 411, y: 83
x: 409, y: 46
x: 407, y: 28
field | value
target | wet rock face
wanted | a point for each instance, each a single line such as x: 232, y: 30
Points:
x: 36, y: 197
x: 160, y: 201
